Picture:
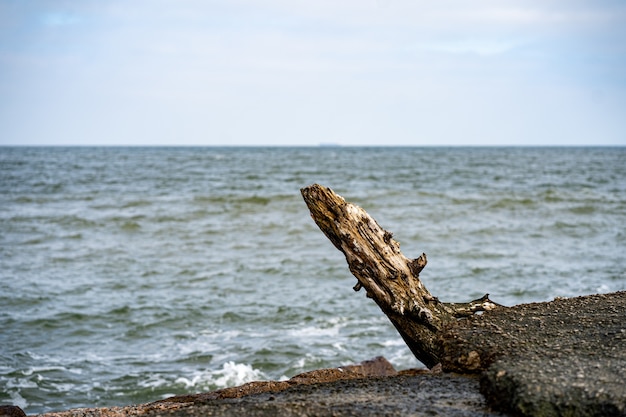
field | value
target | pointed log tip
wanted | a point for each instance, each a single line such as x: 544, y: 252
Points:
x: 310, y: 188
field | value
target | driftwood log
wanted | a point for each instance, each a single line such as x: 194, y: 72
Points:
x: 563, y: 357
x: 388, y: 277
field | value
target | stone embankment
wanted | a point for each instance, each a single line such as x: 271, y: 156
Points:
x: 371, y: 388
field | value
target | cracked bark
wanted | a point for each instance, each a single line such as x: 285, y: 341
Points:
x: 388, y: 277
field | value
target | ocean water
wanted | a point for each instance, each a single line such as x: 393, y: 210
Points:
x: 132, y: 274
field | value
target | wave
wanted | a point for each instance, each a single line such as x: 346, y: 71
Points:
x: 230, y: 375
x: 137, y: 203
x: 244, y: 199
x: 160, y: 271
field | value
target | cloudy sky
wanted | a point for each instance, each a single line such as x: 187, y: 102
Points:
x: 293, y: 72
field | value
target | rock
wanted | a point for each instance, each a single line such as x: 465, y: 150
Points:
x: 378, y: 366
x: 11, y: 411
x: 417, y: 395
x: 371, y: 388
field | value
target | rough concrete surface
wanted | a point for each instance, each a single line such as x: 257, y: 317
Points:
x: 403, y: 395
x: 561, y: 358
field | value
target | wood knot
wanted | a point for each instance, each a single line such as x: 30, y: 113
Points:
x: 416, y: 265
x: 423, y: 314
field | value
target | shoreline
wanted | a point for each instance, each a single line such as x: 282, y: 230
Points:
x: 370, y: 388
x: 563, y: 357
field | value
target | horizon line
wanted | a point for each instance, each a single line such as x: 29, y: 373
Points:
x: 321, y: 146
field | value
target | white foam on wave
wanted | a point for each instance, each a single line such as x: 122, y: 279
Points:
x: 312, y: 331
x: 234, y: 374
x: 308, y: 362
x: 330, y: 328
x: 400, y: 356
x: 339, y: 347
x: 18, y: 400
x: 22, y: 383
x: 41, y: 369
x: 393, y: 342
x: 154, y: 381
x: 200, y: 345
x: 230, y: 375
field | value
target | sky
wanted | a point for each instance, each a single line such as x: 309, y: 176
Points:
x: 293, y: 72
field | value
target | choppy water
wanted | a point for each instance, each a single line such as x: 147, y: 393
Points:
x: 131, y: 274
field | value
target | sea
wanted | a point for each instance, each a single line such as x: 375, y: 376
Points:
x: 131, y: 274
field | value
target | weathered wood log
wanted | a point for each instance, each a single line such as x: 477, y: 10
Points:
x: 564, y: 357
x: 389, y: 278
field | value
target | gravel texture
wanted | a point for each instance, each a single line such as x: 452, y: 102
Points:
x: 404, y: 395
x: 565, y: 357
